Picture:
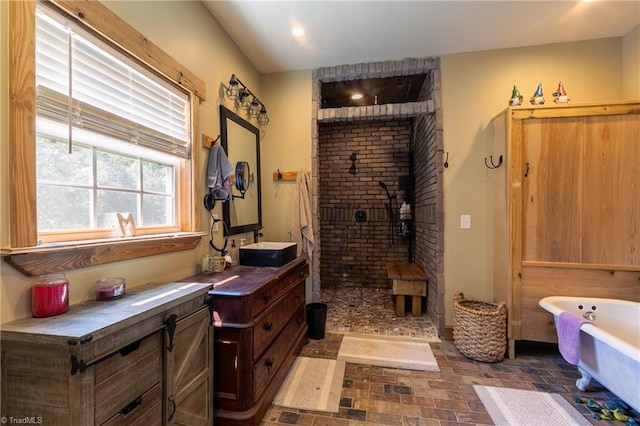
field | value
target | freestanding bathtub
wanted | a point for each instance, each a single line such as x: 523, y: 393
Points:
x: 610, y: 347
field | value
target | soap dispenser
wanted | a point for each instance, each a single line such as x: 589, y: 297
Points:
x: 233, y: 251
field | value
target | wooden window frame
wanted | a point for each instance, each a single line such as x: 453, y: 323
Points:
x: 24, y: 252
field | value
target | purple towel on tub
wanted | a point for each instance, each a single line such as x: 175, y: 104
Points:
x: 569, y: 336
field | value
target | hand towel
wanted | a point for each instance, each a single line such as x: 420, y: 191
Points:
x: 302, y: 220
x: 569, y: 336
x: 218, y: 172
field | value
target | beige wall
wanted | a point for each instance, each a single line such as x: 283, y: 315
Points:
x: 287, y: 146
x: 631, y: 64
x: 185, y: 30
x: 475, y: 87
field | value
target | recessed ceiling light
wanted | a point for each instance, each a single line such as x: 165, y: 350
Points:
x: 357, y: 96
x: 298, y: 31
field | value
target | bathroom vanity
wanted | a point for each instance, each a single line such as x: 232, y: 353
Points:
x: 143, y: 359
x: 260, y: 328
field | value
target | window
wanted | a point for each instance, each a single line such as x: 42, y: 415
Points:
x: 129, y: 125
x: 110, y: 137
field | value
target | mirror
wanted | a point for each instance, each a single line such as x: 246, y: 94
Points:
x: 241, y: 141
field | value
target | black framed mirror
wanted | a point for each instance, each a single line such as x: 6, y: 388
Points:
x: 241, y: 141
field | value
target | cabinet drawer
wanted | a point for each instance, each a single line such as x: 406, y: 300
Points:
x: 272, y: 291
x: 267, y: 365
x: 271, y: 321
x: 125, y: 375
x: 145, y: 410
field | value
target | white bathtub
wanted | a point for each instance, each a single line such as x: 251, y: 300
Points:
x: 610, y: 347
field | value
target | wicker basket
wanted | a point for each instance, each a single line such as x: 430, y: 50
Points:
x: 479, y: 329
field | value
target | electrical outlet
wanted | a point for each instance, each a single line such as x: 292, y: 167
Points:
x: 465, y: 221
x: 214, y: 228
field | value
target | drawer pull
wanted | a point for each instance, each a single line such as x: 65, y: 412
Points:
x: 129, y: 349
x: 266, y: 297
x: 131, y: 406
x: 269, y: 363
x: 173, y: 407
x: 268, y: 326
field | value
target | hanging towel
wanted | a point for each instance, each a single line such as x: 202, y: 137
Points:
x: 218, y: 172
x: 302, y: 221
x: 569, y: 336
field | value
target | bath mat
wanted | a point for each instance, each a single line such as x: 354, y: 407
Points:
x: 312, y: 384
x: 523, y: 408
x: 388, y: 351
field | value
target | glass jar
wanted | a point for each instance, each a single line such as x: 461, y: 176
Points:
x: 110, y: 288
x: 49, y: 295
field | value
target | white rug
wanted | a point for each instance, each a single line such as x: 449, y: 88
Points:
x: 388, y: 351
x: 517, y: 407
x: 312, y: 384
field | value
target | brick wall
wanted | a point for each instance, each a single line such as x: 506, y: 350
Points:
x: 429, y: 212
x: 355, y: 253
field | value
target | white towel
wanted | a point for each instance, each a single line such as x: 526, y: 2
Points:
x: 218, y: 172
x: 302, y: 221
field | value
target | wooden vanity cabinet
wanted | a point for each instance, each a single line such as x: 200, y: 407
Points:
x: 566, y: 209
x: 260, y: 327
x: 144, y: 359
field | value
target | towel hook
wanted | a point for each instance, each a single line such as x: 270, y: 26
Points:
x: 279, y: 175
x: 493, y: 165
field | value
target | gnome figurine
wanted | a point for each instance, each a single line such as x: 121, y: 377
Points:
x: 538, y: 97
x: 560, y: 95
x: 516, y: 97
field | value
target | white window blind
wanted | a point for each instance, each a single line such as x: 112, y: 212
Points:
x: 82, y: 82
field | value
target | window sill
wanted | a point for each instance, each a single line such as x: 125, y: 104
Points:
x: 50, y: 258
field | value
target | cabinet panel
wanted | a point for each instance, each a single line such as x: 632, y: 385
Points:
x: 611, y: 212
x: 552, y: 189
x: 188, y: 371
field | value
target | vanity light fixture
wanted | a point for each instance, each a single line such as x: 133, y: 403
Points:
x: 246, y: 100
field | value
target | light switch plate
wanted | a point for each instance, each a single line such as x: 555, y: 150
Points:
x: 465, y: 221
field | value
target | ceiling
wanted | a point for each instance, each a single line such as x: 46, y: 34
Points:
x: 355, y: 31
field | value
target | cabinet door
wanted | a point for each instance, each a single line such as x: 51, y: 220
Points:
x: 188, y: 371
x: 611, y: 208
x: 552, y: 189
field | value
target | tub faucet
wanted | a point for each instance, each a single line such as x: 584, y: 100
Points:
x: 589, y: 315
x: 257, y: 234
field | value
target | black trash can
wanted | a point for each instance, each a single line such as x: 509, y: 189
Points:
x: 316, y: 319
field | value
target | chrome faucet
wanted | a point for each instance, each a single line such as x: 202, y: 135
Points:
x: 257, y: 234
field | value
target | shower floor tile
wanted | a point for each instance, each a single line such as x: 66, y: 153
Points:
x: 371, y: 311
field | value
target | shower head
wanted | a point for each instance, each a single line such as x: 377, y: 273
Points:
x: 384, y: 186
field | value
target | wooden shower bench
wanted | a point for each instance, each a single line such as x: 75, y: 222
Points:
x: 408, y: 280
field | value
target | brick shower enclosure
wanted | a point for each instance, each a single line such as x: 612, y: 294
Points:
x: 388, y: 141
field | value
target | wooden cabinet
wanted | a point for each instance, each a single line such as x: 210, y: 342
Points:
x: 188, y: 370
x: 566, y: 209
x: 260, y: 328
x: 144, y: 359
